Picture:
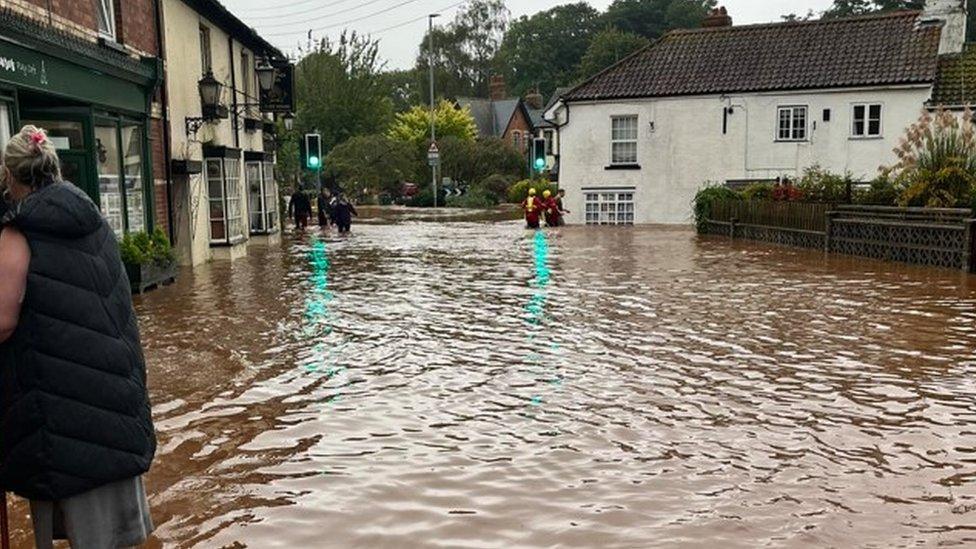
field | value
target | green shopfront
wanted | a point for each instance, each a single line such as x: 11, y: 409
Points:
x: 95, y: 102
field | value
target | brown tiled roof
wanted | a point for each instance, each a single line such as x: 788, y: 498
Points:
x: 956, y: 82
x: 829, y: 53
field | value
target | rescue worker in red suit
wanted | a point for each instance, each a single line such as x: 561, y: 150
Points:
x: 551, y: 209
x: 533, y: 210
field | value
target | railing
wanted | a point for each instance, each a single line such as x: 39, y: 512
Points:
x: 939, y: 237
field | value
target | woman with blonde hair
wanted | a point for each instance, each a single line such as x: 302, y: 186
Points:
x: 76, y: 434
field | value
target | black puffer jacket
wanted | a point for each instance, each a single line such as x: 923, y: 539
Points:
x: 74, y: 413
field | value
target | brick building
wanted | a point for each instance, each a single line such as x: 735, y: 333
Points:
x: 88, y: 72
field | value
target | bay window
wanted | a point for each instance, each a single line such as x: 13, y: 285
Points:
x: 224, y: 190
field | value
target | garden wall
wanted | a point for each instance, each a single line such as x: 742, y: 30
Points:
x: 922, y: 236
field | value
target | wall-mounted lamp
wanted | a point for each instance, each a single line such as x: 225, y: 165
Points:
x: 209, y: 89
x: 289, y: 120
x: 266, y: 75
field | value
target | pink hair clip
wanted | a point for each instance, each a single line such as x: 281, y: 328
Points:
x: 38, y: 138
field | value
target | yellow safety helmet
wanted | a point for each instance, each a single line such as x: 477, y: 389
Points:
x: 546, y: 194
x: 531, y: 192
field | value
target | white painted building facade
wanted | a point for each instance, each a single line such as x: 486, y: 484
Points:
x: 642, y: 160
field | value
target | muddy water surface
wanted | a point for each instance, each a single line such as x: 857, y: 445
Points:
x: 429, y: 384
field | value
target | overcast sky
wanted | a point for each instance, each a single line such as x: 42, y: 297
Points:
x: 400, y: 24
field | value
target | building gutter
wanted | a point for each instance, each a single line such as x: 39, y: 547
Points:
x: 167, y: 128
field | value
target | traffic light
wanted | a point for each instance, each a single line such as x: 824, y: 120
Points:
x: 539, y: 162
x: 313, y: 151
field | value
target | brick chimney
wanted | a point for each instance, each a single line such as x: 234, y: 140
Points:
x: 497, y: 88
x: 533, y: 100
x: 718, y: 17
x: 951, y: 15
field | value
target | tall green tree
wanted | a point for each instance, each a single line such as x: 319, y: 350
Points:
x: 653, y: 18
x: 544, y: 51
x: 339, y: 89
x: 465, y: 50
x: 368, y: 165
x: 608, y: 47
x: 846, y: 8
x: 413, y: 126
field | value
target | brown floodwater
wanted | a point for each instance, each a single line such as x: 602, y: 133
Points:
x: 433, y: 384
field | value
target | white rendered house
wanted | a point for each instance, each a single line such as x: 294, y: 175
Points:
x: 726, y: 104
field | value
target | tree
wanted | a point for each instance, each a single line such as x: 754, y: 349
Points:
x: 471, y: 162
x: 607, y: 48
x: 413, y: 126
x: 405, y: 88
x: 652, y: 18
x: 465, y: 50
x: 371, y: 164
x: 846, y: 8
x: 339, y: 90
x: 544, y: 51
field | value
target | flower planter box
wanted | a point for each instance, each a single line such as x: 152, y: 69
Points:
x: 149, y: 276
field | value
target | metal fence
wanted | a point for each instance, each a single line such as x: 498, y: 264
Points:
x: 935, y: 237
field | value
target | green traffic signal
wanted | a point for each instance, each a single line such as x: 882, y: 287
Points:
x: 314, y: 162
x: 540, y: 164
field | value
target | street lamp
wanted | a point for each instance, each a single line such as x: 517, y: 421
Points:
x: 289, y: 120
x: 210, y: 89
x: 266, y: 75
x: 433, y: 124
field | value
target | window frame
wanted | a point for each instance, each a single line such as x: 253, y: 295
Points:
x: 625, y: 141
x: 230, y: 237
x: 206, y: 50
x: 792, y: 109
x: 609, y: 206
x: 117, y: 123
x: 107, y: 9
x: 866, y: 134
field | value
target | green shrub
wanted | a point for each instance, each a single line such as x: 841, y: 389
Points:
x: 758, y: 191
x: 937, y: 161
x: 423, y: 199
x: 881, y: 192
x: 519, y: 191
x: 706, y: 197
x: 820, y: 185
x: 142, y: 248
x: 498, y: 185
x: 476, y: 197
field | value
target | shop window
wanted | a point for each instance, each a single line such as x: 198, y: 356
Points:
x: 609, y: 208
x: 6, y: 125
x: 110, y: 196
x: 224, y: 188
x: 105, y: 13
x: 135, y: 190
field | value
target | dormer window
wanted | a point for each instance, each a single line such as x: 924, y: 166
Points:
x: 105, y: 13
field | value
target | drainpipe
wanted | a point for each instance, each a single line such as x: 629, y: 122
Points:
x: 167, y: 130
x: 233, y: 91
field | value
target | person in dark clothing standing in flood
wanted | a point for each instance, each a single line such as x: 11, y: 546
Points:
x: 344, y: 212
x: 560, y: 195
x: 300, y: 209
x: 326, y: 218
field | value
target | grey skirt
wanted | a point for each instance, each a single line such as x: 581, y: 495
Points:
x: 111, y: 516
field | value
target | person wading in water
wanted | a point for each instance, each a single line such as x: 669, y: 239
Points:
x: 324, y: 203
x: 344, y: 211
x: 533, y: 209
x: 76, y: 434
x: 300, y: 209
x: 560, y: 196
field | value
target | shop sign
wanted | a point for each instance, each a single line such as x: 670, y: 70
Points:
x: 281, y: 97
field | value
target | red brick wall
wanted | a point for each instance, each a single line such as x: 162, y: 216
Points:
x: 520, y: 123
x: 156, y: 144
x: 136, y: 24
x: 81, y: 12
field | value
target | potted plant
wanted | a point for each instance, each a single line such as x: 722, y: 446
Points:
x: 149, y: 260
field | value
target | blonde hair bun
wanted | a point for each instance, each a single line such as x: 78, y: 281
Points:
x: 32, y: 159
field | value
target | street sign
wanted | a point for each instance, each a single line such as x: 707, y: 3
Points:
x: 433, y: 155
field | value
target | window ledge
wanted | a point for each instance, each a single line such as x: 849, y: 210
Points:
x: 623, y: 167
x: 791, y: 140
x: 110, y: 43
x: 866, y: 137
x: 228, y: 244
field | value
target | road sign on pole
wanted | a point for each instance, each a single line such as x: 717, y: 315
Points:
x: 433, y: 155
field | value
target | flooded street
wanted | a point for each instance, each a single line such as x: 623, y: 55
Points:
x: 466, y: 384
